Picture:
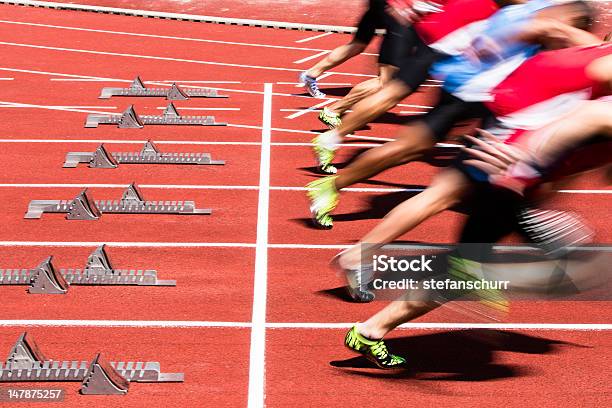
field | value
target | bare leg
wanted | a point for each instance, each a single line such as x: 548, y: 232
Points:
x: 336, y: 57
x: 412, y: 141
x: 373, y: 106
x: 447, y: 189
x: 364, y: 89
x: 593, y: 118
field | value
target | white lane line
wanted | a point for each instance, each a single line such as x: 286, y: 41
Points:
x: 455, y: 326
x: 320, y: 83
x: 172, y: 324
x: 183, y: 16
x: 325, y: 75
x: 202, y: 109
x: 165, y: 37
x: 81, y: 80
x: 246, y: 187
x: 203, y: 187
x: 176, y: 142
x: 257, y: 359
x: 22, y: 106
x: 130, y: 244
x: 7, y: 79
x: 169, y: 82
x: 307, y: 110
x: 198, y: 82
x: 29, y: 105
x: 412, y: 113
x: 585, y: 191
x: 101, y: 79
x: 319, y: 54
x: 125, y: 323
x: 158, y: 58
x: 314, y: 37
x: 306, y: 132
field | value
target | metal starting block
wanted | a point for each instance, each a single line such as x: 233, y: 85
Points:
x: 26, y: 363
x: 83, y: 207
x: 131, y: 120
x: 174, y: 93
x: 149, y: 154
x: 46, y: 279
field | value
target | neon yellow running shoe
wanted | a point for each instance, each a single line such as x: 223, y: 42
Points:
x: 374, y: 350
x: 330, y: 118
x: 323, y: 200
x: 467, y: 270
x: 324, y: 155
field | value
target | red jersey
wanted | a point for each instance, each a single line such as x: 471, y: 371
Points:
x: 457, y: 14
x: 546, y: 76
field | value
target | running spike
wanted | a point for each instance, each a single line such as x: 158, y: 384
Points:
x: 46, y: 280
x: 83, y: 208
x: 24, y: 353
x: 103, y: 379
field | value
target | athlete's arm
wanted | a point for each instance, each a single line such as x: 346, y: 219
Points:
x: 554, y: 34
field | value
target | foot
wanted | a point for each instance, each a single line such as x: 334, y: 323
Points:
x: 357, y: 278
x: 330, y: 118
x: 374, y: 350
x: 324, y: 154
x: 323, y: 200
x: 310, y: 83
x: 462, y: 269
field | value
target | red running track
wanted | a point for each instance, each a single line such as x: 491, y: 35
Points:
x: 213, y: 258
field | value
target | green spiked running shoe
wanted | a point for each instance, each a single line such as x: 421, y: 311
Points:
x: 323, y: 200
x: 324, y: 155
x: 329, y: 118
x: 462, y: 269
x: 374, y: 350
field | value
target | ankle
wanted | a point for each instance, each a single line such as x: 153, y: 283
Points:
x: 370, y: 333
x: 330, y: 140
x: 350, y: 258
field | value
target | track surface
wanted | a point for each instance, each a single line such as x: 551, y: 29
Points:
x: 252, y: 276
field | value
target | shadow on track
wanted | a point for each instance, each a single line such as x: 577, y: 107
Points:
x: 459, y: 355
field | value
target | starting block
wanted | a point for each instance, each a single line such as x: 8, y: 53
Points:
x: 149, y: 154
x: 83, y: 207
x: 46, y: 279
x: 174, y: 93
x: 26, y: 363
x: 129, y: 119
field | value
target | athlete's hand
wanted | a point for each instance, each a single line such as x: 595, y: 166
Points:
x: 506, y: 165
x: 407, y: 12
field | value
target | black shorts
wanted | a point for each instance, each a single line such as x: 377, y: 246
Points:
x: 451, y: 110
x: 416, y: 60
x: 396, y: 41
